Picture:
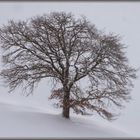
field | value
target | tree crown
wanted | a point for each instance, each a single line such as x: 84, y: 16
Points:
x: 67, y: 50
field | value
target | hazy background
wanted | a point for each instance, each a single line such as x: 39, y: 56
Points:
x: 120, y: 17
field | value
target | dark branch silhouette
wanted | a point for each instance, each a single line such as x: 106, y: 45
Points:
x: 68, y: 50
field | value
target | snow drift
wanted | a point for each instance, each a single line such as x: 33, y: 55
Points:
x: 23, y: 121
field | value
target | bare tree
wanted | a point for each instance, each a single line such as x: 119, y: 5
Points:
x: 67, y: 50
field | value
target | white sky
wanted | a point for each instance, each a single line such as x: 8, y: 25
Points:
x: 120, y: 17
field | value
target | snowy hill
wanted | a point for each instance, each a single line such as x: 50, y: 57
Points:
x: 23, y: 121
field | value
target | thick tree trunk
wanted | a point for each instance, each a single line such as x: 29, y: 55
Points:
x: 66, y: 104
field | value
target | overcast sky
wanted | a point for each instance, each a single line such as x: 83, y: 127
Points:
x: 119, y: 17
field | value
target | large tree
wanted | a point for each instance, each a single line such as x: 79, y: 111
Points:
x: 69, y: 51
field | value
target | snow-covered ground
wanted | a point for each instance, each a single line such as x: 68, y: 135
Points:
x: 34, y: 116
x: 18, y: 120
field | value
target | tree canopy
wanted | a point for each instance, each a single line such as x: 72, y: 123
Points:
x: 67, y: 50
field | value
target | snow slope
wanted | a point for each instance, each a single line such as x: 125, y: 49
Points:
x: 23, y: 121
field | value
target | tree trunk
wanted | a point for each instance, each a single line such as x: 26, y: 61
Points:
x: 66, y: 106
